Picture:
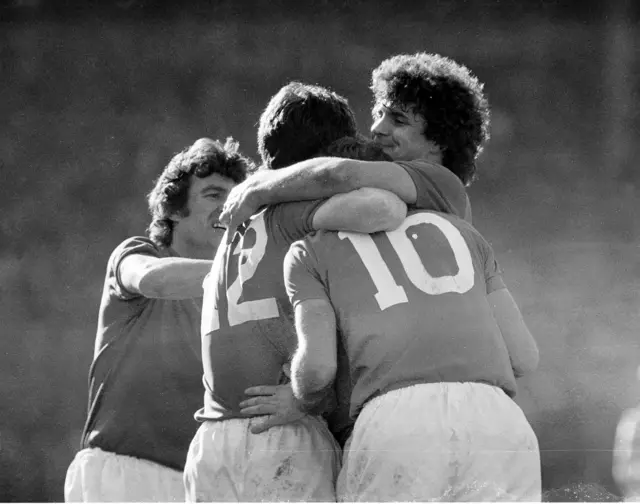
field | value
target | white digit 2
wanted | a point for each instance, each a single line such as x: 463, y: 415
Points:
x: 248, y: 261
x: 389, y: 293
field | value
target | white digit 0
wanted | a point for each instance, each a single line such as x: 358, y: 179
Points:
x: 389, y: 293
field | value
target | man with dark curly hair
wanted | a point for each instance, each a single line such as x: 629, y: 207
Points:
x: 430, y: 116
x: 427, y: 106
x: 435, y: 340
x: 145, y: 381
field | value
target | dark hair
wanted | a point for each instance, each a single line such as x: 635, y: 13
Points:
x: 447, y: 95
x: 357, y: 147
x: 300, y: 121
x: 170, y: 194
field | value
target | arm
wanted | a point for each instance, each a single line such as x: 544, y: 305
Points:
x: 316, y: 178
x: 163, y: 278
x: 364, y: 210
x: 521, y: 346
x: 314, y: 365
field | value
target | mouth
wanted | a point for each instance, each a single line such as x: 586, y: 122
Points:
x: 217, y: 225
x: 384, y: 145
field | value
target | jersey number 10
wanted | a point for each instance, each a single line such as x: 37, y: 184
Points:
x: 389, y: 293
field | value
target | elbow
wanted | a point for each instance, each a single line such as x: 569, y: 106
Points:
x: 528, y: 365
x: 337, y: 173
x: 387, y: 212
x: 314, y: 380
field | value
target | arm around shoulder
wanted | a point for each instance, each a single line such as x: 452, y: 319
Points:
x: 522, y: 347
x: 365, y: 210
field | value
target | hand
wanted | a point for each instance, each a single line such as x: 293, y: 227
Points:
x: 277, y: 402
x: 242, y: 202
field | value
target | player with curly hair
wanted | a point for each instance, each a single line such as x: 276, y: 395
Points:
x: 429, y: 106
x: 434, y: 339
x: 145, y: 381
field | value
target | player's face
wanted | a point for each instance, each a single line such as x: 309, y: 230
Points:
x: 400, y: 133
x: 206, y: 197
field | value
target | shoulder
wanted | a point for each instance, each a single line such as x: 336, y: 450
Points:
x: 135, y: 245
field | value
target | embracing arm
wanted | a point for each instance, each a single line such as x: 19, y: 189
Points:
x: 314, y: 365
x: 521, y: 345
x: 316, y: 178
x: 323, y: 177
x: 163, y: 278
x: 364, y: 210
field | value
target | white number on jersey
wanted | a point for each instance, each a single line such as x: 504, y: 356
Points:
x: 389, y: 293
x: 248, y: 262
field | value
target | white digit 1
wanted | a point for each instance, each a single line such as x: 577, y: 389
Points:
x: 415, y: 269
x: 389, y: 292
x: 210, y: 319
x: 248, y: 261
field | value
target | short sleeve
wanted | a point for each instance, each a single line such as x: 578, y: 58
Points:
x: 302, y: 277
x: 292, y: 221
x: 437, y: 188
x: 135, y: 245
x: 492, y: 271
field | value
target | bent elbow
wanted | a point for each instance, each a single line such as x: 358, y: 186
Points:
x: 387, y: 213
x: 317, y: 379
x: 527, y: 365
x: 337, y: 173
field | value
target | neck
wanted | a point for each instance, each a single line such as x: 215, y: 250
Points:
x: 195, y: 250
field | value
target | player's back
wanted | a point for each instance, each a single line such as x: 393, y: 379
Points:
x: 412, y: 304
x: 249, y: 335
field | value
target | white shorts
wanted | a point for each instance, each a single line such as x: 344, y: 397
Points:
x: 295, y: 462
x: 626, y: 455
x: 100, y: 476
x: 444, y: 442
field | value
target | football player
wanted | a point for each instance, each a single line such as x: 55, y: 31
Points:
x: 146, y: 380
x: 247, y: 336
x: 434, y: 344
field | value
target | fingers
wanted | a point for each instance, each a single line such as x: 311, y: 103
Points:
x: 259, y: 409
x: 225, y: 216
x: 261, y: 390
x: 254, y: 401
x: 229, y: 236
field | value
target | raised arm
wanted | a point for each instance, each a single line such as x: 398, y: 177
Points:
x: 163, y: 278
x: 521, y: 345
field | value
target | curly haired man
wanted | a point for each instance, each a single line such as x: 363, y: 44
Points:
x: 145, y: 381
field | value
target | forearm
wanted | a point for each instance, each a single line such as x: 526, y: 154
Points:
x: 521, y: 345
x: 316, y: 178
x: 174, y: 278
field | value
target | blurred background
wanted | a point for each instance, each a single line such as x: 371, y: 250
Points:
x: 95, y: 97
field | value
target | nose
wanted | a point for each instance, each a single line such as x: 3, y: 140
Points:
x: 379, y: 128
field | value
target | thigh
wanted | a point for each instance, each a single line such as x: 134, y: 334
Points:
x: 398, y: 451
x: 99, y: 476
x: 296, y: 462
x: 499, y: 459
